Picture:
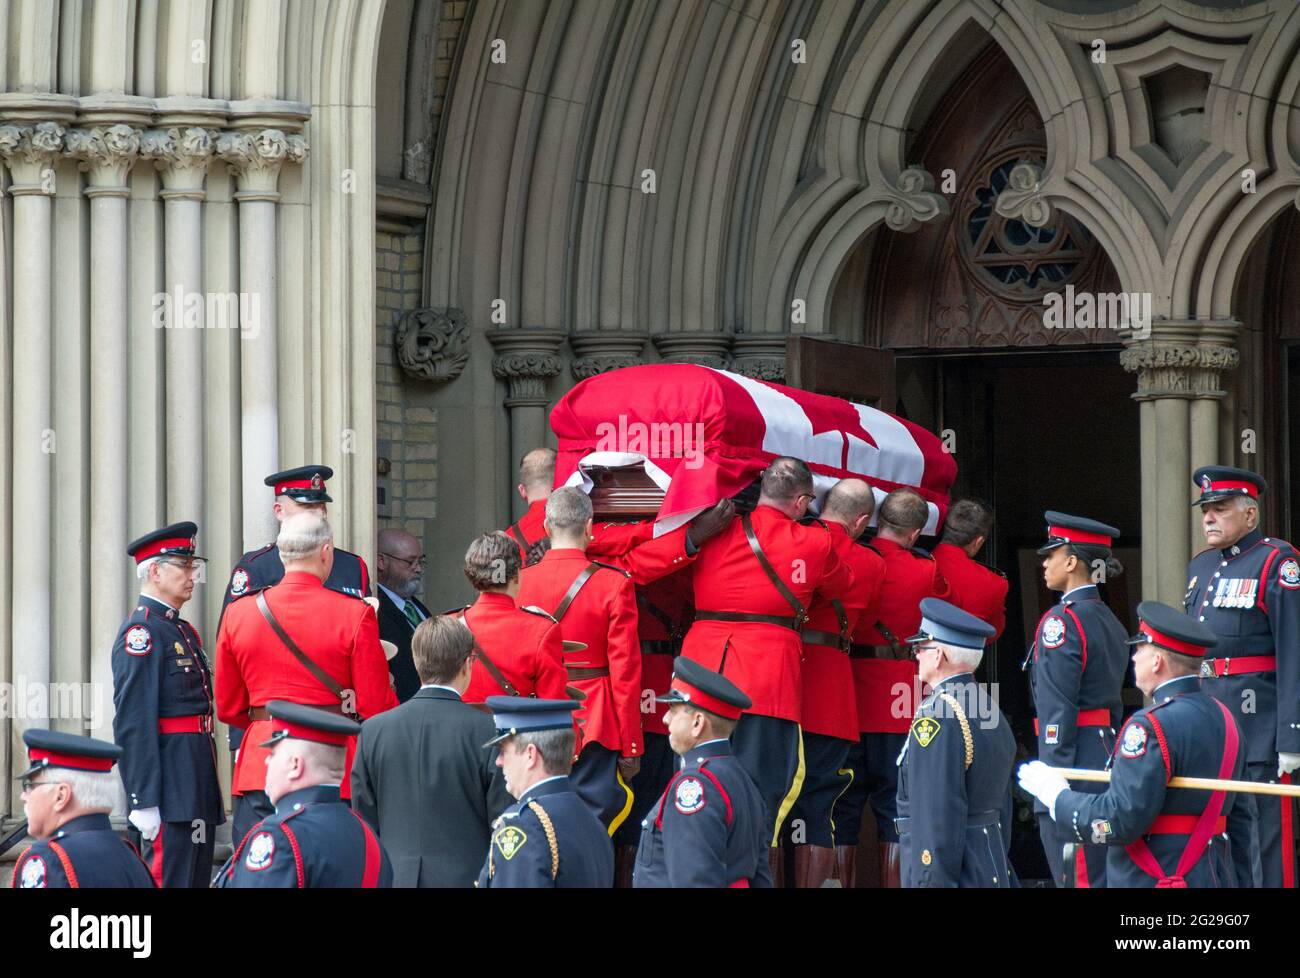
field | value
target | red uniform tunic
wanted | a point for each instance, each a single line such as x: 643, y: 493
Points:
x: 338, y: 633
x: 529, y: 526
x: 527, y: 649
x: 910, y: 575
x: 604, y: 616
x: 762, y: 659
x: 975, y: 588
x: 830, y: 704
x: 660, y: 568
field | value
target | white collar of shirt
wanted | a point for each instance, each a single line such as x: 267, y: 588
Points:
x: 400, y: 601
x: 441, y: 686
x: 1073, y: 589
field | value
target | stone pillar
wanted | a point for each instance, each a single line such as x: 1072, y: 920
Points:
x: 599, y: 352
x: 1178, y: 367
x: 107, y: 153
x: 526, y: 359
x: 182, y: 154
x: 255, y: 158
x: 708, y: 349
x: 30, y: 151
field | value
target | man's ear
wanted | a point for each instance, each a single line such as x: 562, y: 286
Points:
x: 546, y: 526
x: 591, y: 526
x: 861, y: 524
x: 523, y: 493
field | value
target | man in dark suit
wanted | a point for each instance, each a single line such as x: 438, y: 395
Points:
x: 400, y: 567
x: 421, y: 774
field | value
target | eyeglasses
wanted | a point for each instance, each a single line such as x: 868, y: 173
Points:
x: 30, y: 785
x: 918, y: 649
x: 409, y: 561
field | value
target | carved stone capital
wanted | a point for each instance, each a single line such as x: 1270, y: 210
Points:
x: 255, y: 158
x: 29, y: 152
x: 432, y: 344
x: 1023, y: 197
x: 181, y: 155
x: 600, y: 352
x: 1171, y: 366
x: 526, y: 359
x: 760, y: 357
x: 708, y: 349
x: 913, y: 201
x: 107, y: 153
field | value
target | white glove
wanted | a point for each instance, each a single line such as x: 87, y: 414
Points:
x: 1286, y: 763
x: 148, y: 821
x: 1043, y: 783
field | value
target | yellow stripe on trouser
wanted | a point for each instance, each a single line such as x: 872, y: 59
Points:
x: 621, y: 817
x: 847, y: 785
x: 796, y: 786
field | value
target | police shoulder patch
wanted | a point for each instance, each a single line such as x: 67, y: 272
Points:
x: 239, y: 582
x: 689, y: 798
x: 1053, y: 632
x: 261, y: 851
x: 1052, y: 735
x: 33, y: 874
x: 924, y: 730
x: 1288, y: 574
x: 138, y: 641
x: 1134, y: 742
x: 1100, y: 829
x: 509, y: 840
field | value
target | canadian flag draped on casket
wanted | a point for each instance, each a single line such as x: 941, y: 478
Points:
x: 703, y: 435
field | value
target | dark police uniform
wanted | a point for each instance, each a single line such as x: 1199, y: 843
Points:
x: 1077, y: 666
x: 1249, y: 596
x: 259, y: 569
x: 708, y: 828
x: 84, y: 852
x: 313, y: 840
x: 1151, y: 830
x: 549, y: 837
x: 954, y: 778
x: 162, y: 698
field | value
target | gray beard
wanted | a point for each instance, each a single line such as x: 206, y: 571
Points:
x: 410, y: 589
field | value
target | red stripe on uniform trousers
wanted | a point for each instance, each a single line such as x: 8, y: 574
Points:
x: 156, y: 858
x: 1288, y: 840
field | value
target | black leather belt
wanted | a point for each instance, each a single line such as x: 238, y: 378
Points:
x: 658, y: 646
x: 794, y: 624
x: 975, y: 819
x: 813, y: 637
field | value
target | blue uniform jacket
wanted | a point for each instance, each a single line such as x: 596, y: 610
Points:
x: 1181, y: 734
x: 955, y: 818
x: 313, y: 840
x: 1078, y: 662
x: 521, y: 852
x: 1249, y: 596
x: 160, y: 670
x: 83, y: 853
x: 708, y: 828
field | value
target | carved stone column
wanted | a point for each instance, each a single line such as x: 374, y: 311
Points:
x: 596, y: 352
x: 29, y: 150
x: 708, y: 349
x: 107, y: 154
x: 761, y: 357
x: 1178, y: 367
x: 526, y: 359
x: 255, y: 158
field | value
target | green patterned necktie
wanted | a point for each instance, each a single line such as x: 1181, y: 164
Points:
x: 411, y: 613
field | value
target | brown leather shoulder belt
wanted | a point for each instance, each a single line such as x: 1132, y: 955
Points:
x: 580, y: 672
x: 794, y: 623
x: 325, y: 679
x: 497, y: 676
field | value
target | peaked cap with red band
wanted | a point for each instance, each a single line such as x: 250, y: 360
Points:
x: 305, y: 484
x: 175, y: 539
x: 52, y: 748
x: 1171, y: 629
x: 706, y: 689
x: 1224, y: 482
x: 308, y: 723
x: 1064, y: 529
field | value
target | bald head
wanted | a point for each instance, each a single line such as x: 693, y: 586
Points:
x: 399, y: 564
x: 537, y: 474
x: 851, y: 503
x: 787, y: 485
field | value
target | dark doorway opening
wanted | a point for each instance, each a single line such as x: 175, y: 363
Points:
x: 1033, y: 431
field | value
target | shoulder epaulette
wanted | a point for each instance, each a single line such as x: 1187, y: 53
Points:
x: 599, y: 563
x: 532, y: 609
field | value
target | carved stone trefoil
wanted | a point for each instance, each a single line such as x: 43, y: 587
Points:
x: 1023, y: 197
x: 913, y: 201
x: 432, y: 344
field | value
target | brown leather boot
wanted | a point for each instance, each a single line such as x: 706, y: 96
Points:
x: 813, y: 866
x: 776, y: 862
x: 846, y: 866
x: 624, y: 865
x: 890, y: 870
